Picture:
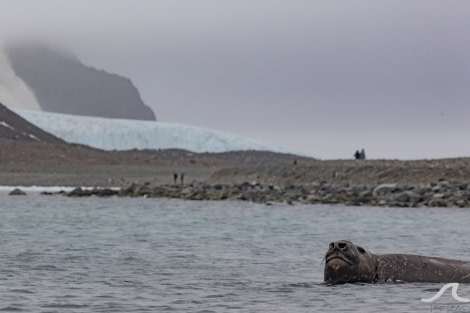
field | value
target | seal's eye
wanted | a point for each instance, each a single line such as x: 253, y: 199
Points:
x: 361, y: 250
x: 331, y: 246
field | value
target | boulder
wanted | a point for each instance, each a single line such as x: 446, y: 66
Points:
x: 17, y: 192
x: 383, y: 189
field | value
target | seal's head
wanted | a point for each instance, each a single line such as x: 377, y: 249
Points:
x: 348, y: 263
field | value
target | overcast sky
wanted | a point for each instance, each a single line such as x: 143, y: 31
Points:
x: 324, y: 77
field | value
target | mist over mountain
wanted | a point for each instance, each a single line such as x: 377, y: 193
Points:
x: 54, y: 91
x: 62, y: 84
x: 13, y: 91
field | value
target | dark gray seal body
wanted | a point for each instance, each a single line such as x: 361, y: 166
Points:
x: 348, y: 263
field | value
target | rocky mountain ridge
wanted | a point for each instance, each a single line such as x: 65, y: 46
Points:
x: 63, y: 84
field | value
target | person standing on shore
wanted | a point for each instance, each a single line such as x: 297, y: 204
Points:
x: 357, y: 155
x: 363, y: 155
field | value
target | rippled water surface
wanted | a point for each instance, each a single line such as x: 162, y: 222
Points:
x: 62, y: 254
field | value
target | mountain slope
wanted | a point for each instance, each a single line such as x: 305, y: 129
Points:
x: 63, y: 84
x: 14, y: 127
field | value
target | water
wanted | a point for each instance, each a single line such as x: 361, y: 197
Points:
x: 62, y: 254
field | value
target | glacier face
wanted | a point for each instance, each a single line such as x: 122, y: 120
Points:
x: 123, y: 134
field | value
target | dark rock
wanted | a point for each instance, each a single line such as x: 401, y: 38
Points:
x: 106, y: 192
x: 99, y: 192
x: 407, y: 196
x: 79, y: 192
x: 17, y: 192
x: 131, y: 190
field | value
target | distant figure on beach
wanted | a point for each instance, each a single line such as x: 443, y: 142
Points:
x: 357, y: 155
x: 175, y: 178
x: 182, y: 179
x: 360, y: 155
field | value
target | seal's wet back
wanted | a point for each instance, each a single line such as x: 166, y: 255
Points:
x: 348, y: 263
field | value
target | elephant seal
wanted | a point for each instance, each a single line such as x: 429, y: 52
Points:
x: 348, y: 263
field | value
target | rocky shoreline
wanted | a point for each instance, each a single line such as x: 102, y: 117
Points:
x: 262, y: 177
x: 438, y: 194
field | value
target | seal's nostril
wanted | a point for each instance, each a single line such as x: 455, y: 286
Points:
x: 343, y: 246
x: 332, y: 245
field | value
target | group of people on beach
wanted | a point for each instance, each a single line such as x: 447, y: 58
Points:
x: 175, y: 178
x: 360, y: 155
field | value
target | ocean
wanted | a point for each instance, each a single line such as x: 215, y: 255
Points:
x: 61, y: 254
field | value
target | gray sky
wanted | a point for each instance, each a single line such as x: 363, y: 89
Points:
x: 324, y: 77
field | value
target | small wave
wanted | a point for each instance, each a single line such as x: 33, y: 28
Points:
x: 302, y: 285
x: 23, y: 291
x: 46, y: 267
x: 220, y: 295
x: 64, y: 306
x: 11, y: 308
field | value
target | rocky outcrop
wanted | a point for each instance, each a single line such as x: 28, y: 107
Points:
x: 100, y: 192
x: 439, y: 194
x: 17, y: 192
x: 62, y: 84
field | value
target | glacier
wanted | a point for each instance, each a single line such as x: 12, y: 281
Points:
x: 125, y: 134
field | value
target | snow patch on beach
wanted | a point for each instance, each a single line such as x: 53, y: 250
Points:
x: 39, y: 189
x: 123, y: 134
